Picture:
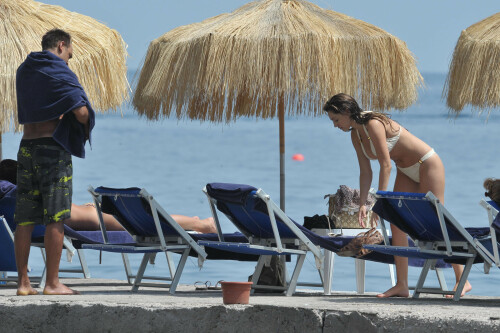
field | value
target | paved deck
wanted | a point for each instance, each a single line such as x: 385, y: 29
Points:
x: 108, y: 305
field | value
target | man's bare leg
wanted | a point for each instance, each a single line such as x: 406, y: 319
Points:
x: 22, y: 245
x: 54, y: 236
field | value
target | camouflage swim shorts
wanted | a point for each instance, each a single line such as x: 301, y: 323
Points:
x: 44, y: 182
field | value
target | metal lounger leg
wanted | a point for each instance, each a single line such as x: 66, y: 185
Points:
x: 441, y: 279
x: 140, y: 272
x: 295, y: 276
x: 391, y: 273
x: 258, y: 271
x: 386, y: 242
x: 422, y: 277
x: 171, y: 264
x: 128, y: 269
x: 360, y: 265
x: 43, y: 278
x: 463, y: 279
x: 178, y: 271
x: 83, y: 263
x: 328, y: 271
x: 282, y: 262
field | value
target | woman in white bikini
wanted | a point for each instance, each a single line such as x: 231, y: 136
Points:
x: 419, y: 169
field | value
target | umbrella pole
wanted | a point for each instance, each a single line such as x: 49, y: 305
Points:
x: 281, y: 116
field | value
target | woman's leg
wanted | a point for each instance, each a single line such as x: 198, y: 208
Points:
x: 432, y: 178
x: 399, y: 238
x: 194, y: 223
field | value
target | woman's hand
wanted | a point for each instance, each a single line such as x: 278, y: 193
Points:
x: 362, y: 216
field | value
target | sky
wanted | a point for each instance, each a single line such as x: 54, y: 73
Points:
x: 430, y: 28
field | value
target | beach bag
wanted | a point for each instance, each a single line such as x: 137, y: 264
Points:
x: 317, y: 222
x: 355, y: 247
x: 272, y: 275
x: 343, y: 208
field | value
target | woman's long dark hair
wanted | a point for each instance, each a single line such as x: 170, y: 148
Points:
x: 346, y: 104
x: 492, y: 187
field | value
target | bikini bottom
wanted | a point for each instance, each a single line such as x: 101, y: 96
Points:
x: 414, y: 171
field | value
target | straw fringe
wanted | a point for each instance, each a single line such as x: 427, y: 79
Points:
x: 238, y: 64
x: 99, y: 54
x: 474, y: 76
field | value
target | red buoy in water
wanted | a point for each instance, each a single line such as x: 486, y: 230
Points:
x: 298, y: 157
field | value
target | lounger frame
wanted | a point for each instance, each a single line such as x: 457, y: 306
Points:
x: 468, y: 249
x: 180, y: 242
x: 300, y: 245
x: 492, y: 211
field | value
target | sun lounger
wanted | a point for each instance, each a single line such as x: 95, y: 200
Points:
x: 152, y: 229
x: 7, y: 258
x: 267, y: 229
x: 250, y: 214
x: 437, y: 235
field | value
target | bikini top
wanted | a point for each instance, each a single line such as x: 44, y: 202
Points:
x: 391, y: 142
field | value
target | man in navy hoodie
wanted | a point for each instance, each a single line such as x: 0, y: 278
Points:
x: 58, y: 119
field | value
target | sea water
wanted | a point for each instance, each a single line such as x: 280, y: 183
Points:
x: 174, y: 159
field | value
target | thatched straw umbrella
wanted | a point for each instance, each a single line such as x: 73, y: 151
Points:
x: 474, y: 76
x: 270, y: 56
x: 99, y: 54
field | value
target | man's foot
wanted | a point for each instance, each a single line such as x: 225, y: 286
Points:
x: 61, y: 289
x: 466, y: 289
x: 26, y: 292
x: 396, y: 291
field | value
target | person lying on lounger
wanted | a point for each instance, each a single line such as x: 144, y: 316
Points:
x: 84, y: 217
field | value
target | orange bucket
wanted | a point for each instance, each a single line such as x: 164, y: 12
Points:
x: 236, y: 292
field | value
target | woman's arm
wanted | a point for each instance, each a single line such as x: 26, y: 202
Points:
x: 365, y: 177
x: 378, y: 136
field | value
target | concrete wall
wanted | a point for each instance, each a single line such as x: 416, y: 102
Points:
x: 67, y: 317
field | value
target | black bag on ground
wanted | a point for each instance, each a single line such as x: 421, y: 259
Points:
x: 272, y: 275
x: 317, y: 222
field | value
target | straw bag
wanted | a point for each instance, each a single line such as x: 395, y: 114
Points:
x: 348, y: 218
x: 343, y: 208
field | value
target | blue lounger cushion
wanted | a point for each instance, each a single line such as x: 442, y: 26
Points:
x: 121, y: 248
x: 95, y: 237
x: 7, y: 209
x: 410, y: 252
x: 420, y: 221
x: 222, y: 254
x: 243, y: 248
x: 131, y: 212
x: 245, y: 210
x: 496, y: 221
x: 422, y: 217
